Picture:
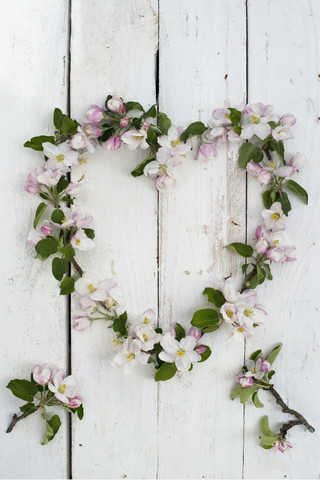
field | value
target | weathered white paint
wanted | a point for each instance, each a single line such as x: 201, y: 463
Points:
x: 33, y: 323
x: 186, y: 428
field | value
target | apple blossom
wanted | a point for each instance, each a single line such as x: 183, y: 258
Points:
x: 255, y: 118
x: 73, y: 189
x: 116, y: 105
x: 94, y: 115
x: 124, y: 122
x: 200, y: 349
x: 206, y: 152
x: 31, y: 188
x: 49, y: 177
x: 245, y: 380
x: 83, y: 140
x: 135, y: 138
x: 61, y: 155
x: 297, y: 161
x: 35, y: 236
x: 274, y: 219
x: 282, y: 445
x: 221, y: 116
x: 81, y: 242
x: 195, y: 332
x: 92, y: 130
x: 46, y: 229
x: 172, y: 142
x: 42, y: 374
x: 164, y: 167
x: 63, y: 388
x: 81, y: 322
x: 89, y: 285
x: 113, y: 143
x: 256, y: 170
x: 147, y: 318
x: 181, y: 353
x: 147, y: 336
x: 75, y: 402
x: 130, y: 354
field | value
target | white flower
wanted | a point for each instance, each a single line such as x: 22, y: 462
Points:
x: 130, y: 354
x: 147, y: 336
x: 81, y: 242
x: 83, y: 140
x: 35, y: 236
x: 147, y: 318
x: 63, y: 387
x: 172, y: 142
x: 181, y: 353
x: 49, y: 177
x: 255, y: 118
x: 165, y: 167
x: 135, y: 138
x: 60, y: 156
x: 89, y: 285
x: 274, y: 219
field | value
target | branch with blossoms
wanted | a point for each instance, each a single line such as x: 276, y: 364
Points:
x: 255, y: 376
x: 48, y: 387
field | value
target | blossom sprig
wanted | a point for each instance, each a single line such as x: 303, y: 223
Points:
x: 48, y: 387
x: 256, y: 375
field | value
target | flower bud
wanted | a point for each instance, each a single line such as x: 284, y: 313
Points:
x: 41, y: 374
x: 46, y: 229
x: 116, y: 105
x: 124, y: 122
x: 195, y: 332
x: 200, y: 349
x: 31, y: 188
x: 94, y: 114
x: 113, y: 143
x: 288, y: 119
x: 75, y: 402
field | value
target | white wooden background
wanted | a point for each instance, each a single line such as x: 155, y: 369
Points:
x: 210, y: 51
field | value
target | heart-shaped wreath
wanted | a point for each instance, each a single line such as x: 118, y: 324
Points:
x: 138, y: 339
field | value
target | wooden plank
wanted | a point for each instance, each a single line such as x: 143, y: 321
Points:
x: 113, y: 52
x: 283, y: 71
x: 202, y: 63
x: 34, y: 49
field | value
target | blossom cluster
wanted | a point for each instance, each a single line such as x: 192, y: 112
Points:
x: 49, y: 387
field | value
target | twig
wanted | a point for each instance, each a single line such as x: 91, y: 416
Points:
x: 77, y: 267
x: 15, y: 420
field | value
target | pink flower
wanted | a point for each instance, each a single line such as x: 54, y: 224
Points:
x: 255, y: 170
x: 75, y: 402
x: 200, y: 349
x: 288, y: 119
x: 221, y: 116
x: 274, y: 219
x: 81, y: 323
x: 206, y: 152
x: 94, y: 114
x: 92, y: 129
x: 83, y: 141
x: 282, y: 445
x: 297, y: 161
x: 73, y: 188
x: 42, y: 374
x: 49, y: 177
x: 31, y: 188
x: 135, y: 138
x: 64, y: 388
x: 116, y: 105
x: 113, y: 143
x: 255, y: 118
x: 195, y: 332
x: 46, y: 229
x: 245, y: 380
x: 34, y: 237
x: 124, y: 122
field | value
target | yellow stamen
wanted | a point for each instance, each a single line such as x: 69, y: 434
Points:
x: 145, y: 337
x: 138, y: 137
x: 272, y: 164
x: 249, y: 313
x: 130, y: 357
x: 228, y: 115
x: 275, y: 216
x: 82, y: 160
x: 116, y: 342
x: 174, y: 143
x: 63, y: 220
x: 180, y: 352
x: 240, y: 329
x: 275, y: 242
x: 229, y: 313
x: 78, y: 241
x: 60, y: 158
x: 252, y: 370
x: 63, y: 388
x: 146, y: 320
x: 91, y: 288
x: 163, y: 170
x: 254, y: 118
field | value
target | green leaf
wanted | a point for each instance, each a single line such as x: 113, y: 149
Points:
x: 36, y: 142
x: 68, y: 252
x: 23, y: 389
x: 134, y: 106
x: 52, y: 426
x: 62, y: 184
x: 235, y: 116
x: 264, y: 426
x: 285, y: 203
x: 138, y: 171
x: 206, y: 354
x: 261, y: 274
x: 120, y: 324
x: 57, y: 216
x: 238, y: 389
x: 298, y: 190
x: 267, y: 201
x: 195, y: 128
x: 57, y: 118
x: 253, y: 282
x: 269, y: 274
x: 246, y: 394
x: 244, y: 267
x: 180, y: 332
x: 256, y: 401
x: 241, y: 248
x: 80, y: 411
x: 46, y: 247
x: 59, y: 267
x: 214, y: 296
x: 211, y: 328
x: 28, y: 408
x: 266, y: 447
x: 69, y: 126
x: 206, y: 317
x: 165, y: 372
x: 255, y: 355
x: 268, y: 441
x: 89, y: 232
x: 274, y: 353
x: 39, y: 212
x: 67, y: 286
x: 164, y: 123
x: 152, y: 112
x: 248, y: 152
x: 152, y: 138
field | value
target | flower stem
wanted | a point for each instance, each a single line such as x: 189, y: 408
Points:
x: 77, y: 267
x: 300, y: 419
x: 249, y: 278
x: 16, y: 419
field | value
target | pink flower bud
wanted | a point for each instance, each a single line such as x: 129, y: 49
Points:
x: 73, y: 188
x: 288, y: 119
x: 116, y: 105
x: 113, y: 143
x: 264, y: 177
x: 124, y: 122
x: 75, y: 402
x: 41, y: 374
x: 253, y: 168
x: 200, y: 349
x: 195, y: 332
x: 258, y: 232
x: 46, y: 229
x: 261, y: 246
x: 92, y: 129
x: 245, y: 381
x: 206, y: 152
x: 145, y: 125
x: 94, y: 114
x: 30, y: 188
